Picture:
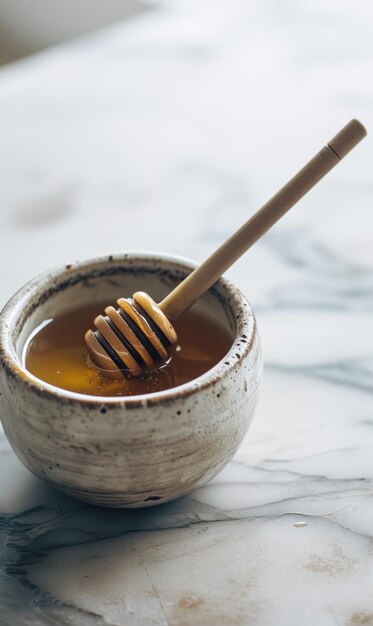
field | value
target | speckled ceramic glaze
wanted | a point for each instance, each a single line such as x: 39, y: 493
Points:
x: 134, y: 451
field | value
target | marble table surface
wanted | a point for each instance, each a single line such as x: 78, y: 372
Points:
x: 165, y: 133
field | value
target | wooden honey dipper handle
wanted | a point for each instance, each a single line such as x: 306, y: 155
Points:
x: 138, y: 335
x: 204, y: 276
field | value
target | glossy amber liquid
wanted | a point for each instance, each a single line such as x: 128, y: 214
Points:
x: 57, y: 354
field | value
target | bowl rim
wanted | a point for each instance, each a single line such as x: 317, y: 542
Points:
x: 11, y: 314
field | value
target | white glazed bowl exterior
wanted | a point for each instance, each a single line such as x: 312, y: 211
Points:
x: 134, y: 451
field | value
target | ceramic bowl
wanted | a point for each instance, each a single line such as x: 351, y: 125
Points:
x: 131, y: 451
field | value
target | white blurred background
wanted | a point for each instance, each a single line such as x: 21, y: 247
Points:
x: 27, y: 26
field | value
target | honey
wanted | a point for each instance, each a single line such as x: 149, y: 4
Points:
x: 56, y: 353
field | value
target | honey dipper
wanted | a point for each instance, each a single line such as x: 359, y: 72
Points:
x: 139, y: 334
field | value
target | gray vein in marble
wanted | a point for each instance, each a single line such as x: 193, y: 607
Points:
x: 355, y: 373
x: 328, y: 281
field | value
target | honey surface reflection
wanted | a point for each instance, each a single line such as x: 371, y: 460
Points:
x: 57, y: 354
